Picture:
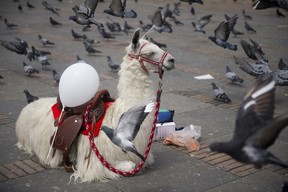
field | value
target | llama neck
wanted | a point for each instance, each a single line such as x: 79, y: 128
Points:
x: 134, y: 84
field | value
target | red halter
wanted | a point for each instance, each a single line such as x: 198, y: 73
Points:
x: 141, y: 58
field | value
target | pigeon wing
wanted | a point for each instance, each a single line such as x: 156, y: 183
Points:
x: 130, y: 121
x: 116, y: 6
x: 248, y: 49
x: 244, y: 65
x: 204, y: 20
x: 90, y: 5
x: 157, y: 19
x: 222, y: 31
x: 257, y: 107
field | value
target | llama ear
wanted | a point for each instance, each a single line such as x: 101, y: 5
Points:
x: 135, y: 39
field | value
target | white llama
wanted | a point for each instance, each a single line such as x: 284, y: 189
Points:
x: 35, y: 124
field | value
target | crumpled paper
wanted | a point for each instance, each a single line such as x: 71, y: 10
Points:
x: 186, y: 137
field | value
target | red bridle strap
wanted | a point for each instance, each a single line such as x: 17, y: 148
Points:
x: 141, y: 58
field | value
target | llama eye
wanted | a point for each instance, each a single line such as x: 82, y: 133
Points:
x: 149, y: 54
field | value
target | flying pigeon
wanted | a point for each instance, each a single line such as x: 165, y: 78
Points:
x: 252, y: 69
x: 264, y: 4
x: 159, y: 21
x: 282, y: 74
x: 221, y: 35
x: 84, y: 13
x: 200, y: 24
x: 30, y: 98
x: 255, y: 128
x: 90, y: 49
x: 117, y: 9
x: 9, y: 25
x: 249, y: 28
x: 128, y: 127
x: 246, y: 16
x: 232, y: 22
x: 56, y: 76
x: 219, y: 94
x: 160, y: 45
x: 112, y: 65
x: 45, y: 41
x: 54, y: 22
x: 253, y: 51
x: 29, y: 69
x: 232, y: 76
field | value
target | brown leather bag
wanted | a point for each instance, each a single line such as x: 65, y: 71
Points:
x: 72, y: 120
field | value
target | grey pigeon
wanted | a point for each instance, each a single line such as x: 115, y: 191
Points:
x: 84, y: 13
x: 232, y: 22
x: 193, y: 1
x: 29, y: 69
x: 246, y: 16
x: 200, y: 24
x: 160, y: 45
x: 232, y: 76
x: 264, y: 4
x: 253, y: 51
x: 45, y: 41
x: 255, y: 128
x: 143, y: 26
x: 30, y: 98
x: 50, y: 7
x: 176, y: 9
x: 112, y: 65
x: 128, y: 127
x: 219, y: 94
x: 252, y: 69
x: 159, y: 21
x: 18, y: 46
x: 43, y: 61
x: 192, y: 11
x: 9, y: 25
x: 221, y: 35
x: 76, y: 35
x: 117, y: 8
x: 282, y: 74
x: 56, y: 76
x: 249, y: 28
x: 90, y: 49
x: 127, y: 26
x: 38, y: 52
x: 103, y: 32
x: 54, y: 22
x: 176, y: 21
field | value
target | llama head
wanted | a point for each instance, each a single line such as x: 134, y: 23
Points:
x: 149, y: 55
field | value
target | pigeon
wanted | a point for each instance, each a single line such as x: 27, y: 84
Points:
x: 38, y: 52
x: 45, y: 41
x: 29, y: 5
x: 176, y: 21
x: 84, y: 13
x: 112, y: 65
x: 104, y: 34
x: 221, y: 35
x: 50, y: 7
x: 232, y: 76
x: 282, y: 74
x: 193, y: 1
x: 1, y: 77
x: 144, y: 27
x: 279, y: 14
x: 200, y: 24
x: 54, y: 22
x: 20, y: 9
x: 176, y: 9
x: 30, y: 98
x: 9, y: 25
x: 90, y: 41
x: 76, y: 35
x: 219, y: 94
x: 264, y: 4
x: 254, y: 51
x: 255, y: 128
x: 246, y: 16
x: 252, y: 69
x: 160, y: 45
x: 56, y: 76
x: 232, y: 22
x: 128, y: 127
x: 19, y: 46
x: 192, y: 11
x: 79, y: 60
x: 249, y: 28
x: 90, y: 49
x: 159, y: 21
x: 127, y: 26
x: 29, y: 69
x: 117, y: 9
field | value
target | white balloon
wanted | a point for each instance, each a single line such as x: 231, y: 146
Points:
x: 78, y: 84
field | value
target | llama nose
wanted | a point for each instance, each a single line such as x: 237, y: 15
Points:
x: 171, y: 60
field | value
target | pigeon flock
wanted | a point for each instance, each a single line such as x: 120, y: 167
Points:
x: 228, y: 36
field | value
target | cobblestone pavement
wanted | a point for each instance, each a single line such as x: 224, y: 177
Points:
x: 175, y: 169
